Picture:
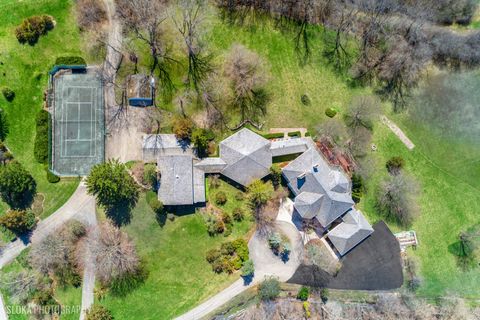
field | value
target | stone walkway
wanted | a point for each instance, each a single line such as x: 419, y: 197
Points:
x: 398, y: 132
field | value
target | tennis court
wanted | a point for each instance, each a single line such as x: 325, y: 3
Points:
x: 78, y: 126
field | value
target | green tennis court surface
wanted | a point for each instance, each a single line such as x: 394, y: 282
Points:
x: 78, y: 124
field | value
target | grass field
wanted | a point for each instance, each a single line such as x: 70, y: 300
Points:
x: 24, y: 69
x: 179, y: 276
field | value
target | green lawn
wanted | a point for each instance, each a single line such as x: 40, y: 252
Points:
x: 179, y: 276
x: 24, y: 68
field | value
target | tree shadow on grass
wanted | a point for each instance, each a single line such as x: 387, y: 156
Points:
x: 120, y: 214
x: 465, y: 259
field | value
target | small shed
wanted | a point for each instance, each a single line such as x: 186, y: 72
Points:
x: 140, y: 90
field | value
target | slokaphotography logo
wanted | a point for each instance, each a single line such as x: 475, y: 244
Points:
x: 49, y: 309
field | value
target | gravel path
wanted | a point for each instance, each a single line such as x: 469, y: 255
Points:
x: 398, y: 132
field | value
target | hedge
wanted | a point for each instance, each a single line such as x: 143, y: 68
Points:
x: 40, y: 149
x: 275, y: 135
x: 154, y: 203
x: 295, y: 134
x: 72, y: 60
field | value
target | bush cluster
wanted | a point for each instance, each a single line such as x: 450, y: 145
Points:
x: 40, y: 149
x: 8, y: 94
x: 150, y: 175
x: 305, y: 99
x: 215, y: 224
x: 231, y: 256
x: 182, y: 128
x: 98, y: 312
x: 32, y: 28
x: 269, y: 289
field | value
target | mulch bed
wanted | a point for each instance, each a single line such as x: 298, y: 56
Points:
x: 375, y: 264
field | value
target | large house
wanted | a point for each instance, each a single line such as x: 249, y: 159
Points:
x: 322, y: 193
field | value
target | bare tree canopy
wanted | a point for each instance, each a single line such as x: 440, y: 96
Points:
x: 114, y: 253
x: 190, y: 26
x: 247, y: 75
x: 397, y: 198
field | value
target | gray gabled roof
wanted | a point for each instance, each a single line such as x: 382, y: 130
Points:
x: 282, y: 147
x: 308, y: 204
x: 211, y: 165
x: 176, y: 180
x: 247, y: 156
x: 353, y: 230
x: 310, y: 173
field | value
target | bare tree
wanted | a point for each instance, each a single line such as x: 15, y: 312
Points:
x: 332, y: 131
x: 145, y: 19
x: 397, y: 198
x: 246, y: 73
x: 114, y: 253
x: 91, y: 14
x: 362, y: 112
x: 336, y: 48
x: 190, y: 27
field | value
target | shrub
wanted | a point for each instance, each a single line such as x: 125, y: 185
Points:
x: 182, y: 128
x: 214, y: 225
x: 156, y: 205
x: 357, y: 187
x: 330, y: 112
x: 51, y: 177
x: 241, y: 248
x: 394, y: 165
x: 98, y: 312
x: 295, y: 134
x: 213, y: 255
x: 306, y: 308
x: 305, y: 99
x: 150, y: 175
x: 220, y: 198
x: 238, y: 214
x: 200, y: 138
x: 248, y: 268
x: 303, y: 293
x: 269, y: 289
x: 239, y: 196
x: 274, y: 242
x: 226, y: 218
x: 40, y: 149
x: 18, y: 221
x: 324, y: 294
x: 276, y: 175
x: 8, y: 94
x: 70, y: 60
x: 32, y: 28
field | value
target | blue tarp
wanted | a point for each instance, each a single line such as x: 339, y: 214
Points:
x: 63, y: 66
x: 140, y: 102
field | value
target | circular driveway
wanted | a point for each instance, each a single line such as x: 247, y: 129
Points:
x: 267, y: 263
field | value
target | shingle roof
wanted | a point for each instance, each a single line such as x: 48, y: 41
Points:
x: 310, y: 173
x: 176, y: 180
x: 247, y: 156
x: 155, y: 145
x: 211, y: 165
x: 353, y: 230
